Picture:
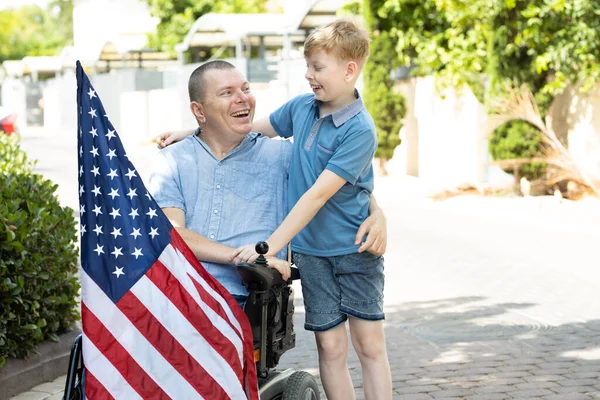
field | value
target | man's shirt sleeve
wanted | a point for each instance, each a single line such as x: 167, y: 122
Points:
x: 354, y: 155
x: 164, y: 183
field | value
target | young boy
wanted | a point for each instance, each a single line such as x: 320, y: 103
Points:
x: 331, y: 179
x: 330, y: 183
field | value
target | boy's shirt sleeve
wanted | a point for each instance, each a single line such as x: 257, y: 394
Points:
x: 354, y: 155
x: 282, y: 118
x: 164, y: 183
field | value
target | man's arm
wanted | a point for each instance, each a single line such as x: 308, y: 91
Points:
x: 203, y: 248
x: 375, y: 228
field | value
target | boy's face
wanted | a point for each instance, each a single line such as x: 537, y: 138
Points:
x: 328, y: 76
x: 228, y: 104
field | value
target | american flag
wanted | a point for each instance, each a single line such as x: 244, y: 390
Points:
x: 155, y: 323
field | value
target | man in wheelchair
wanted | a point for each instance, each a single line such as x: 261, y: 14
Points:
x: 222, y: 188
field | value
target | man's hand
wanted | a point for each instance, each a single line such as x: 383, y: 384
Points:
x: 375, y: 227
x: 245, y: 253
x: 167, y: 138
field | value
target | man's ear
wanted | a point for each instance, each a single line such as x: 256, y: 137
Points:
x: 351, y: 71
x: 198, y: 111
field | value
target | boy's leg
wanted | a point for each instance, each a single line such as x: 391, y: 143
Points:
x: 332, y: 346
x: 321, y: 292
x: 368, y: 340
x: 361, y: 281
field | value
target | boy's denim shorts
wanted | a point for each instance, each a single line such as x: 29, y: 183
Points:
x: 340, y: 286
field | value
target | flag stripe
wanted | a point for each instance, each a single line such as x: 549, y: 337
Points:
x: 107, y: 382
x: 174, y: 261
x: 176, y: 354
x: 133, y: 341
x: 94, y: 389
x: 172, y: 288
x: 221, y: 302
x: 106, y: 343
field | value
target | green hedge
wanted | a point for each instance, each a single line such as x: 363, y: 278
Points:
x: 38, y: 257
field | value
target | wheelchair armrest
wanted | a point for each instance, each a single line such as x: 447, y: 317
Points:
x: 258, y: 277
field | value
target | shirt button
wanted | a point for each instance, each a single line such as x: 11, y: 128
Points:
x: 216, y: 211
x: 218, y: 186
x: 212, y: 236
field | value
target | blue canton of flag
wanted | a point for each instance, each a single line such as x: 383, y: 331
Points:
x: 155, y: 323
x: 122, y: 227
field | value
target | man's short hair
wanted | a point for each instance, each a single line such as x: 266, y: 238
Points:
x: 196, y: 82
x: 342, y: 38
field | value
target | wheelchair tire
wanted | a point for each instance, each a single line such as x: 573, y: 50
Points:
x: 301, y: 386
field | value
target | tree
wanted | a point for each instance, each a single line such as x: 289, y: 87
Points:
x: 491, y: 45
x: 176, y: 17
x: 384, y: 102
x: 33, y: 31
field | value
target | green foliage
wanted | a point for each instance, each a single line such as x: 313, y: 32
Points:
x: 386, y: 105
x: 33, y: 31
x: 518, y: 139
x: 38, y: 257
x: 176, y: 17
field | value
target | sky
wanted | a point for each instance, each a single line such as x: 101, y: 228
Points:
x: 16, y: 3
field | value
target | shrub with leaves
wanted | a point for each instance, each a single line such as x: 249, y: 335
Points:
x: 38, y: 257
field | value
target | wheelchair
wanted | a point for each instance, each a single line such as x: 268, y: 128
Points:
x: 270, y: 310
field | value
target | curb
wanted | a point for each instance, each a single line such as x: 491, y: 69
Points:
x: 49, y: 362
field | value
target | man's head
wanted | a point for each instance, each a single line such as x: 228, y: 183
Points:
x: 335, y: 56
x: 220, y: 99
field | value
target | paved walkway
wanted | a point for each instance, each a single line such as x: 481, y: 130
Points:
x: 485, y: 299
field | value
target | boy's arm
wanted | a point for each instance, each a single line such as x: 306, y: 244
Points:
x: 264, y: 126
x: 305, y: 209
x: 203, y: 248
x: 167, y: 138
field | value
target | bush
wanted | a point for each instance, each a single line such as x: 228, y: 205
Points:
x: 518, y: 139
x: 38, y: 257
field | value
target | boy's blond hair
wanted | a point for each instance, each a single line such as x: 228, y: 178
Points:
x: 343, y: 39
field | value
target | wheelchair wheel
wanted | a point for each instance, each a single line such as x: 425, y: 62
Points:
x: 301, y: 386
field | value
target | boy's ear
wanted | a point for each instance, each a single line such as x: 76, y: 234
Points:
x: 198, y: 111
x: 351, y: 71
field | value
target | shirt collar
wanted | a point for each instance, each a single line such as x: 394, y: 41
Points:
x: 251, y: 137
x: 341, y: 116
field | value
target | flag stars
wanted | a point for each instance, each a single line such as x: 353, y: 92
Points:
x: 94, y: 151
x: 115, y: 213
x: 95, y: 171
x: 117, y: 252
x: 153, y: 232
x: 81, y: 190
x: 135, y: 233
x: 111, y: 154
x: 151, y: 213
x: 82, y: 230
x: 97, y: 210
x: 96, y: 190
x: 114, y: 193
x: 80, y: 170
x: 98, y: 230
x: 116, y: 232
x: 148, y: 196
x: 81, y: 209
x: 92, y: 112
x: 94, y: 132
x: 91, y: 93
x: 130, y: 173
x: 99, y: 249
x: 118, y: 272
x: 137, y: 253
x: 134, y: 213
x: 112, y: 174
x: 132, y: 193
x: 110, y: 134
x: 80, y: 151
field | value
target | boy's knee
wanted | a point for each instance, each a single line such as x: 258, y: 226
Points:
x: 331, y: 347
x: 369, y: 348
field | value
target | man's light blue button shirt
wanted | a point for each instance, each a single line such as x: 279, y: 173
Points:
x: 238, y: 200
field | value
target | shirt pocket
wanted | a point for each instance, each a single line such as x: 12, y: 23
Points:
x: 324, y: 154
x: 251, y: 181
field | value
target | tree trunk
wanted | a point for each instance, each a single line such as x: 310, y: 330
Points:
x: 382, y: 168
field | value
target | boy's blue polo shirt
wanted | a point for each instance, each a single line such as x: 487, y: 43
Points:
x: 343, y: 142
